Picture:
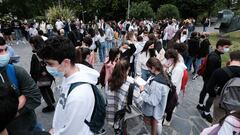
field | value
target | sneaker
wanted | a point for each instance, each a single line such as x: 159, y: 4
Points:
x: 195, y: 77
x: 48, y: 109
x: 201, y: 109
x: 207, y: 117
x: 166, y: 123
x: 101, y: 132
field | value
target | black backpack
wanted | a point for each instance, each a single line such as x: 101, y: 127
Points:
x: 99, y: 112
x: 172, y: 100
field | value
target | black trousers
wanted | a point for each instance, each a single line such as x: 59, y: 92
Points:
x: 204, y: 91
x: 48, y: 96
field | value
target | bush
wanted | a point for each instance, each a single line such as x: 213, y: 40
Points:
x: 167, y: 11
x: 58, y: 12
x: 141, y: 10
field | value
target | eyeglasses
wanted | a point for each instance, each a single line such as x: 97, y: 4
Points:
x: 5, y: 49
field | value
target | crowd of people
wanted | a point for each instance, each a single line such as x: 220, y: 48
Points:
x: 145, y: 61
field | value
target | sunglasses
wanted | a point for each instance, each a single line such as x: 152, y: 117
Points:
x: 5, y: 49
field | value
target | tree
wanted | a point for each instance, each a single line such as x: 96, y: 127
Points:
x: 141, y: 10
x: 59, y: 12
x: 167, y: 11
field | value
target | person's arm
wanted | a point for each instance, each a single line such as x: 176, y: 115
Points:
x: 155, y: 97
x: 29, y: 89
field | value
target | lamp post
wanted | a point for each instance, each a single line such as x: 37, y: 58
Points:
x: 128, y: 10
x: 83, y: 15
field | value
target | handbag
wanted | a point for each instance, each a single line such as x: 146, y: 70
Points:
x: 45, y: 81
x: 129, y: 121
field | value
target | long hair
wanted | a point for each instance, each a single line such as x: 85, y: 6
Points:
x: 119, y: 74
x: 129, y: 35
x: 235, y: 114
x: 154, y: 62
x: 113, y: 53
x: 172, y: 54
x: 37, y: 43
x: 146, y: 47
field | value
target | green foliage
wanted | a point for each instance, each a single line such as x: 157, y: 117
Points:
x: 168, y: 11
x: 141, y: 10
x: 58, y: 12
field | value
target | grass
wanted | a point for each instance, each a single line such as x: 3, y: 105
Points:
x: 234, y: 37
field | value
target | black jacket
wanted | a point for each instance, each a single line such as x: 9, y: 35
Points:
x: 193, y: 47
x: 204, y: 48
x: 213, y: 62
x: 219, y: 78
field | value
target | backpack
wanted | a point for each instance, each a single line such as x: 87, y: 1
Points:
x: 230, y: 95
x: 10, y: 77
x: 129, y: 120
x: 184, y: 80
x: 102, y: 75
x: 99, y: 112
x: 203, y: 66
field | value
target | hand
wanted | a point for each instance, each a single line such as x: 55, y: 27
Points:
x: 22, y: 101
x: 141, y: 88
x: 51, y: 131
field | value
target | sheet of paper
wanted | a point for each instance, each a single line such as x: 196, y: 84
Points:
x: 139, y: 81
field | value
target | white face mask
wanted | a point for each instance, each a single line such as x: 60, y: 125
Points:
x: 225, y: 50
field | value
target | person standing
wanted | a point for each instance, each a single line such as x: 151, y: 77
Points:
x: 72, y: 108
x: 16, y: 28
x: 27, y: 89
x: 213, y: 62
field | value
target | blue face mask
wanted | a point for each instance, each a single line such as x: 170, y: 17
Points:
x: 4, y: 60
x: 54, y: 72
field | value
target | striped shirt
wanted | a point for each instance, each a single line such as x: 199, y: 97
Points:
x: 116, y: 100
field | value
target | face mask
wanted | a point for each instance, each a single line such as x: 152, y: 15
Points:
x: 4, y: 60
x: 225, y: 50
x: 54, y: 72
x: 169, y: 63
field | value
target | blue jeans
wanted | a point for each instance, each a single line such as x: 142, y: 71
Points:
x: 188, y: 62
x: 18, y: 34
x: 102, y: 51
x: 205, y: 28
x: 109, y: 44
x: 145, y: 74
x: 198, y: 63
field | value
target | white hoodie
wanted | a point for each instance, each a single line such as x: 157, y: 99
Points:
x: 71, y: 111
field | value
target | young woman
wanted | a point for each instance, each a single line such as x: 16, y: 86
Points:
x: 38, y: 71
x: 228, y: 125
x: 175, y: 69
x: 155, y: 95
x: 147, y: 52
x: 102, y: 49
x: 118, y: 90
x: 109, y: 65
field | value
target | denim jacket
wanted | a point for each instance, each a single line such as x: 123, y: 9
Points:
x: 154, y: 96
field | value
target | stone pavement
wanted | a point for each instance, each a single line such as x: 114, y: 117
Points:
x: 186, y: 120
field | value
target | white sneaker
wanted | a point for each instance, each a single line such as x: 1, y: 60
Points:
x: 166, y: 123
x: 17, y: 42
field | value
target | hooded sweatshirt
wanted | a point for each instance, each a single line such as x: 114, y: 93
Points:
x: 72, y: 110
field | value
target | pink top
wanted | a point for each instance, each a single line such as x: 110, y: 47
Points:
x: 109, y: 69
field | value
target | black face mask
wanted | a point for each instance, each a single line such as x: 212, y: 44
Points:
x: 152, y: 52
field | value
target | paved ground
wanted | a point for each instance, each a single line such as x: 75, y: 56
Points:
x: 186, y: 120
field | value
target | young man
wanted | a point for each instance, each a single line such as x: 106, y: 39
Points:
x: 9, y: 105
x: 72, y: 108
x: 213, y: 63
x: 27, y: 89
x: 218, y: 79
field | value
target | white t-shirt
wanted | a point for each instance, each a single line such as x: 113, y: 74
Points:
x: 59, y: 25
